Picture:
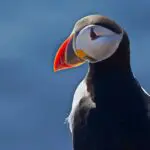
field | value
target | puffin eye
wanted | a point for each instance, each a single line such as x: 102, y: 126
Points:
x: 93, y: 35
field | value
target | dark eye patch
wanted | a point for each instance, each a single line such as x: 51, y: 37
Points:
x: 93, y: 35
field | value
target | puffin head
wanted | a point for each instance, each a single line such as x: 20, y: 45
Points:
x: 94, y: 39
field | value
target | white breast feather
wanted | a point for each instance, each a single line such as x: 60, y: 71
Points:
x: 80, y: 92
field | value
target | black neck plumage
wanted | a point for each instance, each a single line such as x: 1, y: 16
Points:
x: 113, y: 88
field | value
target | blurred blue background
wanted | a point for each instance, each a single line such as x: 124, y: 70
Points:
x: 34, y: 101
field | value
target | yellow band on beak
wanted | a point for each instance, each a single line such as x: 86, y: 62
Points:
x: 83, y: 55
x: 80, y: 54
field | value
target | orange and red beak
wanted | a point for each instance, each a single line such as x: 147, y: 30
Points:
x: 65, y: 57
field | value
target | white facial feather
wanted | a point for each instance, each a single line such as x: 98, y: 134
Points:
x: 100, y: 48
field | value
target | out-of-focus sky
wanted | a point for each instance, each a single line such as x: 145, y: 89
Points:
x: 34, y: 101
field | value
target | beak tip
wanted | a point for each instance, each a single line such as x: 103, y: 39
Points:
x: 54, y: 66
x: 54, y: 70
x: 57, y: 67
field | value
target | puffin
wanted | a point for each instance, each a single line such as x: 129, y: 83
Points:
x: 110, y: 109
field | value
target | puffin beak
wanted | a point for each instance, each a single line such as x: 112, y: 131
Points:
x: 65, y: 57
